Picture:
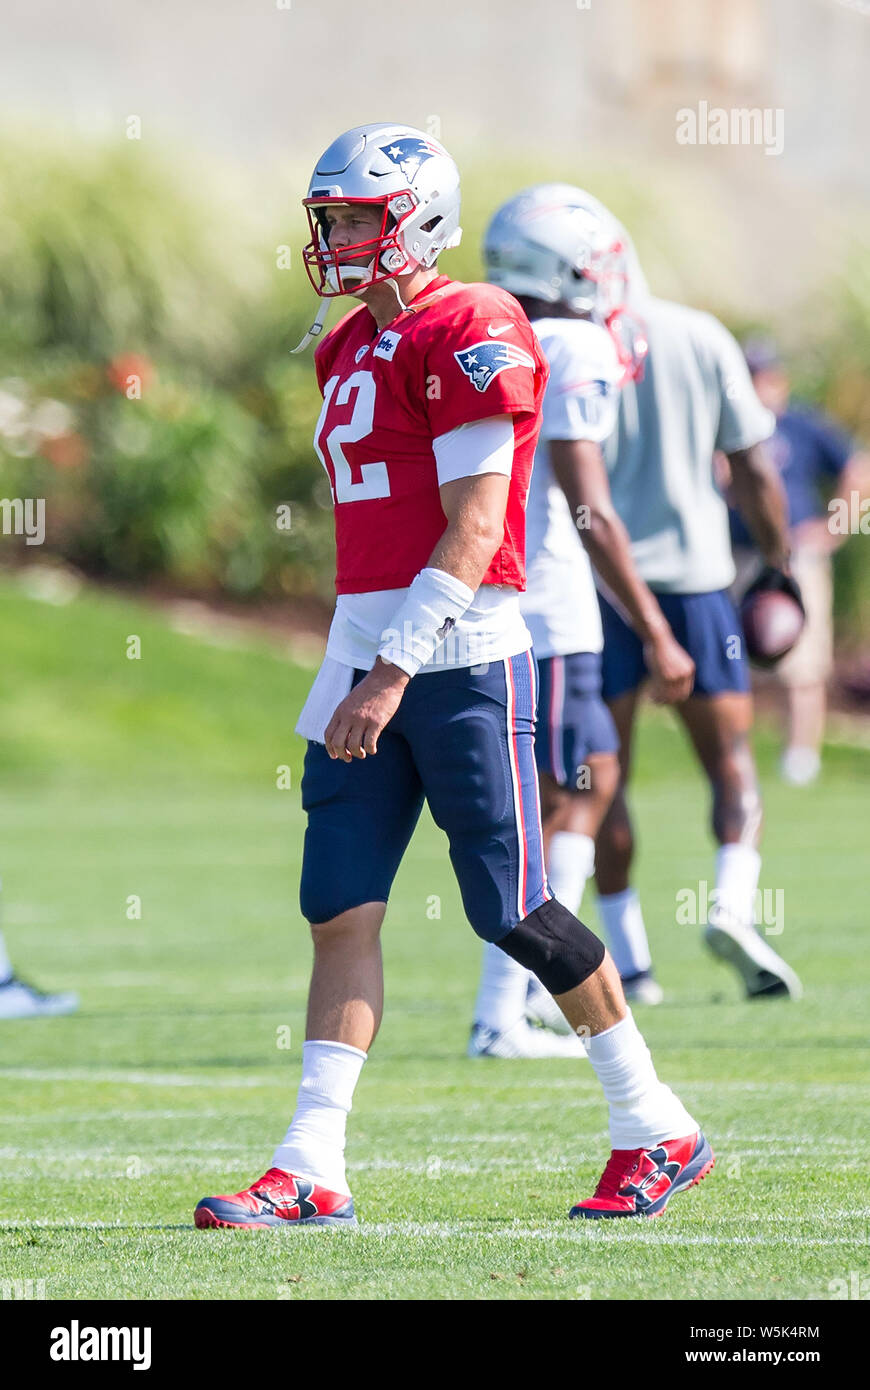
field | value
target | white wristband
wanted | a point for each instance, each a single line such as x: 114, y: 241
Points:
x: 431, y: 608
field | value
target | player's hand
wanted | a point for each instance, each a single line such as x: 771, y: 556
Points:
x: 671, y: 669
x: 354, y: 729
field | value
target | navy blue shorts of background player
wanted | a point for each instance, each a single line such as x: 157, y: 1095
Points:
x: 706, y: 625
x: 573, y: 720
x: 463, y: 739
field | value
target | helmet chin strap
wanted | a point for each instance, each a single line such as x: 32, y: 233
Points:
x: 316, y: 328
x: 395, y: 288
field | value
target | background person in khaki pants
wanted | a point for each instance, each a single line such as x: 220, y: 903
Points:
x: 817, y: 462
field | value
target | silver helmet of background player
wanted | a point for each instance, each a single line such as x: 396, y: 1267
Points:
x: 556, y: 243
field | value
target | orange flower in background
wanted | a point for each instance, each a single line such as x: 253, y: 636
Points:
x: 65, y: 450
x: 128, y: 370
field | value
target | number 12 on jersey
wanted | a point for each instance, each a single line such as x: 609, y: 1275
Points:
x: 374, y: 480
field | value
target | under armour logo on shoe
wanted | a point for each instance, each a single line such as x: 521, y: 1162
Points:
x: 654, y: 1183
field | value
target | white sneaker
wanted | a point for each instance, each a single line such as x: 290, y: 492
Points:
x: 800, y: 766
x: 762, y: 971
x: 642, y: 989
x: 20, y: 1000
x: 522, y: 1040
x: 541, y: 1008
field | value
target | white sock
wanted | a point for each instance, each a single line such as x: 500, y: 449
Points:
x: 626, y: 933
x: 800, y: 766
x: 501, y: 995
x: 737, y: 870
x: 570, y: 861
x: 313, y: 1146
x: 643, y: 1111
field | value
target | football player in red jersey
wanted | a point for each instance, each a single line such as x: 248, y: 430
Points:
x: 432, y: 396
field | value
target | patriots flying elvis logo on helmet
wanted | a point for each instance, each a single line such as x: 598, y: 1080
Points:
x: 408, y: 152
x: 482, y: 362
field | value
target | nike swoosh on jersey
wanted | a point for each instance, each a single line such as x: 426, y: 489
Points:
x: 496, y: 330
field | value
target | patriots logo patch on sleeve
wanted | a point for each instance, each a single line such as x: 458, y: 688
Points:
x: 482, y: 362
x: 408, y: 153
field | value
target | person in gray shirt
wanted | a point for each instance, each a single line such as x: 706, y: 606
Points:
x: 693, y: 396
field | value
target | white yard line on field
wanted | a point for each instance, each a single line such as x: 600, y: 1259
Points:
x: 121, y: 1077
x: 643, y: 1232
x: 98, y: 1164
x: 67, y: 1117
x: 652, y: 1234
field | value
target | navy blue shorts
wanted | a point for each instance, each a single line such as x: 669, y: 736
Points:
x: 464, y: 741
x: 573, y: 720
x: 707, y: 625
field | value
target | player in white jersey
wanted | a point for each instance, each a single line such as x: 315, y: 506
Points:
x: 560, y: 258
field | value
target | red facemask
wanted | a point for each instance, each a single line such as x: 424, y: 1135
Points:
x: 347, y: 268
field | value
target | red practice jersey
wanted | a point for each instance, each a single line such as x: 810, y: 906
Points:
x: 460, y: 353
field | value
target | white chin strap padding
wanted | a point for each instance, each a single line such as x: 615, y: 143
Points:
x: 316, y: 328
x: 361, y: 274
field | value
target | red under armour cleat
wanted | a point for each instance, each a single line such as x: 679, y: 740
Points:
x: 277, y: 1199
x: 641, y: 1182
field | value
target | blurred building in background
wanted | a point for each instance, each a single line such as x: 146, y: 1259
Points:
x: 593, y: 80
x: 275, y: 77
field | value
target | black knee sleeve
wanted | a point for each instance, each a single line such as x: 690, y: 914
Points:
x: 555, y: 946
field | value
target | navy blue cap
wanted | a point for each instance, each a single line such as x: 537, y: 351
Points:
x: 761, y: 354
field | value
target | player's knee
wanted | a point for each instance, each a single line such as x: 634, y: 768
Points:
x: 604, y: 778
x: 555, y: 946
x: 356, y: 924
x: 329, y: 892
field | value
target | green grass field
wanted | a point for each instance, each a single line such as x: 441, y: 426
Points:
x: 155, y: 779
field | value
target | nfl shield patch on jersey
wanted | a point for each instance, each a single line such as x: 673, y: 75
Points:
x: 482, y: 362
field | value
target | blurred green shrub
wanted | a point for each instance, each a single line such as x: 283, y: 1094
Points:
x: 145, y: 390
x: 105, y: 249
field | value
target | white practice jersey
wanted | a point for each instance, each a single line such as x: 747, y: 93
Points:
x: 560, y: 604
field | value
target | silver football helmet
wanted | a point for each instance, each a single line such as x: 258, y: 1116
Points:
x: 413, y: 180
x: 555, y: 243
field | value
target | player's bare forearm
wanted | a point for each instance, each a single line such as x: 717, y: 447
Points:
x: 759, y: 496
x: 608, y: 546
x: 475, y: 509
x: 855, y: 477
x: 853, y: 483
x: 580, y: 471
